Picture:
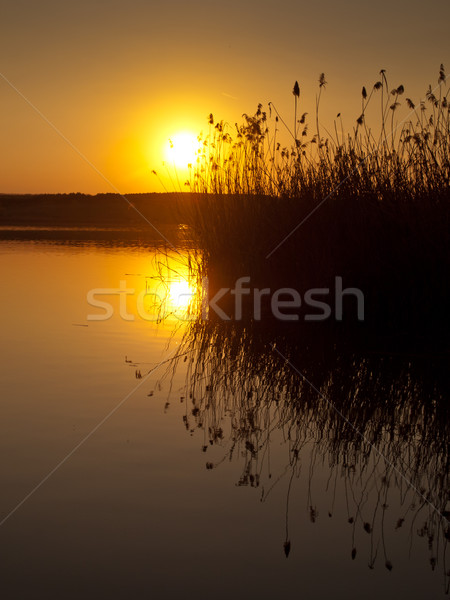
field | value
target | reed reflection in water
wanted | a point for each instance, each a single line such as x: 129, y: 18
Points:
x: 377, y: 420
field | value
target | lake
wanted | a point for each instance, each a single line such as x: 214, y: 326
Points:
x: 154, y: 455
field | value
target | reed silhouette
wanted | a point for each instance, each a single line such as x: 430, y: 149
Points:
x: 404, y: 154
x: 369, y: 399
x: 371, y: 207
x: 380, y: 423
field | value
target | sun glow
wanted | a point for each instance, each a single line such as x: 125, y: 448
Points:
x: 174, y: 292
x: 181, y: 149
x: 180, y: 293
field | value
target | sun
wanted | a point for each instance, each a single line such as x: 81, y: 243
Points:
x: 181, y: 149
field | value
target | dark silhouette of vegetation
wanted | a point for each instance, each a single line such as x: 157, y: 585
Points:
x: 369, y: 399
x: 103, y: 218
x: 84, y: 210
x: 372, y: 206
x: 406, y: 157
x: 379, y: 421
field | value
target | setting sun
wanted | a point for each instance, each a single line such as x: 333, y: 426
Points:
x: 181, y: 149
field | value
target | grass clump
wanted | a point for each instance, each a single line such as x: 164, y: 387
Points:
x: 371, y: 206
x: 408, y: 156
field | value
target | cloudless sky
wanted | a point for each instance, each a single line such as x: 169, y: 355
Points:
x: 118, y: 79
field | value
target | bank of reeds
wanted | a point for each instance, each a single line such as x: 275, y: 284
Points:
x: 373, y: 209
x: 407, y: 155
x: 372, y: 205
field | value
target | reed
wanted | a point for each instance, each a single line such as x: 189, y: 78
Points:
x: 408, y: 156
x: 372, y: 206
x: 368, y: 399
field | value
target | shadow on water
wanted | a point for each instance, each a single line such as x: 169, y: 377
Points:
x: 376, y: 418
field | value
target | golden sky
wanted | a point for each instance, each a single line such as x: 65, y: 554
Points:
x: 114, y: 80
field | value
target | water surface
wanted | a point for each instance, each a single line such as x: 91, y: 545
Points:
x: 160, y: 494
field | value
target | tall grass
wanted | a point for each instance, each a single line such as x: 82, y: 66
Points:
x: 372, y: 205
x: 409, y: 155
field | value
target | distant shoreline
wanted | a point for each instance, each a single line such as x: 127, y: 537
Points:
x: 83, y: 210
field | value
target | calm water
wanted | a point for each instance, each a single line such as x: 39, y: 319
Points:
x: 132, y: 511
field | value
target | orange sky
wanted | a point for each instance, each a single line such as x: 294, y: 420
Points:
x: 118, y: 79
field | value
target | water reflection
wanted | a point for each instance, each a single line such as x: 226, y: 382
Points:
x: 140, y: 495
x: 172, y: 292
x: 251, y: 415
x: 376, y: 423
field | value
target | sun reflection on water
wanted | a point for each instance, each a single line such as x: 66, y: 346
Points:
x: 181, y: 293
x: 173, y: 292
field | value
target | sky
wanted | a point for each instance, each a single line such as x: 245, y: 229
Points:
x: 92, y: 90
